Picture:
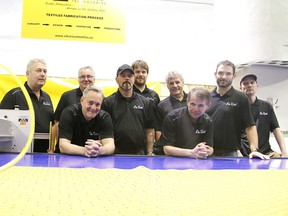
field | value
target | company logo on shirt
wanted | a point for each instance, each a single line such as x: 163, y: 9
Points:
x: 93, y: 133
x: 150, y: 98
x: 263, y: 113
x: 231, y: 104
x: 138, y: 107
x: 46, y: 103
x: 201, y: 131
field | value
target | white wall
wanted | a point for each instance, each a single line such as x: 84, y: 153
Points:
x: 168, y: 35
x: 190, y: 36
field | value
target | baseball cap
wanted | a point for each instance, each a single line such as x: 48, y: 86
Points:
x: 250, y: 76
x: 123, y: 68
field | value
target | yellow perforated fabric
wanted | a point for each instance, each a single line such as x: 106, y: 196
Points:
x: 140, y: 191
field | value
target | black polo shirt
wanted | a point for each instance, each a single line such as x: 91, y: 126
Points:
x: 67, y: 98
x: 266, y: 121
x: 230, y: 113
x: 167, y: 105
x: 178, y: 130
x: 149, y: 94
x: 43, y: 109
x: 74, y: 127
x: 131, y: 117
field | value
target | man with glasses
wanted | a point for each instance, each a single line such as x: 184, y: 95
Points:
x: 86, y: 78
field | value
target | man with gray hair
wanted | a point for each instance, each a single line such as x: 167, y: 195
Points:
x: 176, y: 99
x: 86, y: 78
x: 36, y: 73
x: 85, y: 129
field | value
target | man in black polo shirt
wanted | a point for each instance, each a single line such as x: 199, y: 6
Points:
x: 176, y: 99
x: 265, y: 119
x: 14, y: 99
x: 141, y: 70
x: 188, y: 131
x: 132, y: 116
x: 86, y: 78
x: 230, y: 111
x: 85, y: 129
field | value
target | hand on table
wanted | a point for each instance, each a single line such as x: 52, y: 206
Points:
x: 92, y: 148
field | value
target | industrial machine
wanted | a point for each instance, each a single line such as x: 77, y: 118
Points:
x: 14, y: 130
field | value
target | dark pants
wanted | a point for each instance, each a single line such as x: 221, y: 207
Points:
x: 224, y: 153
x: 41, y: 145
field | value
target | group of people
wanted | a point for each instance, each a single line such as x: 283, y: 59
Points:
x: 133, y: 120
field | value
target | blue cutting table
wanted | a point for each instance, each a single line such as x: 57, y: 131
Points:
x: 151, y: 162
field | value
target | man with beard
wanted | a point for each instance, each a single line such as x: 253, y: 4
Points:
x: 43, y: 108
x: 86, y: 78
x: 85, y: 129
x: 231, y: 113
x: 141, y: 71
x: 132, y: 116
x: 188, y: 131
x: 265, y: 119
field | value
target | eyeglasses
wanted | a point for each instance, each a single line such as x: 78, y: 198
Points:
x: 83, y: 77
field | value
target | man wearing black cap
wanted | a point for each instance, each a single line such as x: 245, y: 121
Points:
x: 132, y: 116
x: 265, y: 119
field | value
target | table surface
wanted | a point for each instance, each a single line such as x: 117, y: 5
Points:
x: 151, y: 162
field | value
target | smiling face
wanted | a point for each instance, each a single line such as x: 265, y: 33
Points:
x: 224, y: 76
x: 36, y: 76
x: 86, y: 77
x: 175, y: 86
x: 91, y: 104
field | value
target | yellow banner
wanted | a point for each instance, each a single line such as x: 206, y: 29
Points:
x: 80, y: 20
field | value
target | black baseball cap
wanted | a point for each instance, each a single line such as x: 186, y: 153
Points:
x: 250, y: 76
x: 123, y: 68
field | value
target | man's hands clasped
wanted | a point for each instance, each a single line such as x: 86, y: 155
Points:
x: 92, y: 148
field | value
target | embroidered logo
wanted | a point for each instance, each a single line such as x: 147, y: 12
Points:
x: 263, y: 113
x: 150, y: 98
x: 231, y: 104
x: 93, y: 133
x: 201, y: 131
x: 138, y: 107
x: 46, y: 103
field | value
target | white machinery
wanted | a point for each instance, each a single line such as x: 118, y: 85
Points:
x: 14, y: 130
